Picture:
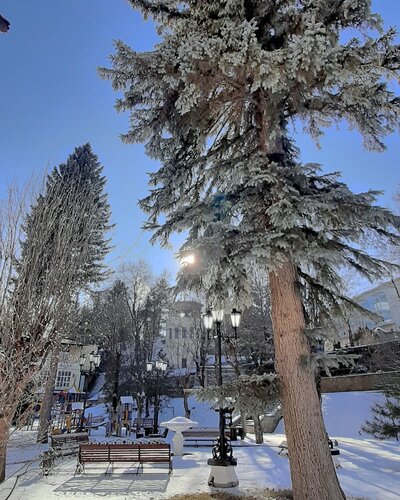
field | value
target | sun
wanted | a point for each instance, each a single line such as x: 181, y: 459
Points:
x: 188, y: 259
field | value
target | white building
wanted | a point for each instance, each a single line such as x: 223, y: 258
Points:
x: 183, y: 337
x: 384, y: 300
x: 74, y: 367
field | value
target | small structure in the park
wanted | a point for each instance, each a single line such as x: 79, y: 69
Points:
x: 126, y: 409
x: 178, y: 425
x: 122, y: 416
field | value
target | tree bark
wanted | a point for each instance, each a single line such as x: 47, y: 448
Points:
x: 47, y: 401
x: 243, y: 423
x: 311, y: 466
x: 5, y: 423
x: 258, y: 429
x: 186, y: 404
x: 140, y: 404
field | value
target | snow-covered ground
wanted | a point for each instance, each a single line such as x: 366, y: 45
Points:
x: 370, y: 468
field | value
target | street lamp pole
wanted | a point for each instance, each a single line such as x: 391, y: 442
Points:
x: 222, y: 463
x: 160, y: 366
x: 155, y: 423
x: 94, y: 362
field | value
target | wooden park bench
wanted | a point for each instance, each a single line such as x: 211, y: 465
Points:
x: 333, y: 448
x: 114, y: 453
x: 202, y: 437
x: 196, y: 442
x: 147, y: 424
x: 64, y: 441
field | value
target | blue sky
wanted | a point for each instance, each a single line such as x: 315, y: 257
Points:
x: 52, y: 100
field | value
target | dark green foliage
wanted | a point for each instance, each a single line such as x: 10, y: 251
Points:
x: 386, y: 421
x: 74, y: 198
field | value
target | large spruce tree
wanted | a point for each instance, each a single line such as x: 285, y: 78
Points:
x: 77, y: 183
x: 63, y: 244
x: 215, y: 102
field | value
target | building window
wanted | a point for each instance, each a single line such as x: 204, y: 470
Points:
x: 184, y: 330
x: 184, y: 363
x: 64, y: 357
x: 170, y: 333
x: 378, y: 303
x: 177, y: 333
x: 63, y: 379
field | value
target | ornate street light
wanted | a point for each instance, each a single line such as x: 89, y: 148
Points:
x: 82, y: 360
x: 94, y: 362
x: 222, y: 463
x: 161, y: 365
x: 158, y: 366
x: 208, y: 321
x: 236, y: 316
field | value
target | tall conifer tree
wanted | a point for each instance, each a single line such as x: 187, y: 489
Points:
x: 61, y: 253
x: 215, y: 102
x: 80, y: 178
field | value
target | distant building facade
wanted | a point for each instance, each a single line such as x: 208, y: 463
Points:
x: 183, y: 335
x: 70, y: 374
x: 384, y: 300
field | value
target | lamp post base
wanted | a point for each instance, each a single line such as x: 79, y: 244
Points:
x: 177, y: 444
x: 222, y: 476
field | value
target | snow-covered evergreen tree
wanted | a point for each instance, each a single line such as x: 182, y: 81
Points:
x: 215, y: 102
x: 386, y: 421
x: 80, y: 178
x: 63, y: 243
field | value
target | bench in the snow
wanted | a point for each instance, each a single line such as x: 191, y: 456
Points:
x: 146, y: 423
x: 114, y: 453
x: 335, y: 452
x: 203, y: 436
x: 200, y: 441
x: 204, y: 432
x: 59, y: 441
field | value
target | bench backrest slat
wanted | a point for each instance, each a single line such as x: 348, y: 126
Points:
x: 94, y: 453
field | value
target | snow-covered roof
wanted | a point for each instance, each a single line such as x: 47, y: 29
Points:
x: 126, y: 400
x: 77, y: 406
x: 72, y: 390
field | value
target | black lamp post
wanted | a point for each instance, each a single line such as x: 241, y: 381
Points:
x: 159, y: 366
x: 222, y: 452
x: 94, y: 362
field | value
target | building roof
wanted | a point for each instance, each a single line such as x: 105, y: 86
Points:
x: 126, y: 400
x: 377, y: 288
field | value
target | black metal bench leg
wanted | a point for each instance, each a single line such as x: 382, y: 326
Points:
x: 80, y: 468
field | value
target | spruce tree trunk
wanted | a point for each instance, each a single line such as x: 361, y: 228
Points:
x: 140, y: 402
x: 243, y: 423
x: 186, y: 404
x: 258, y: 429
x: 311, y: 466
x: 5, y: 423
x: 47, y: 401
